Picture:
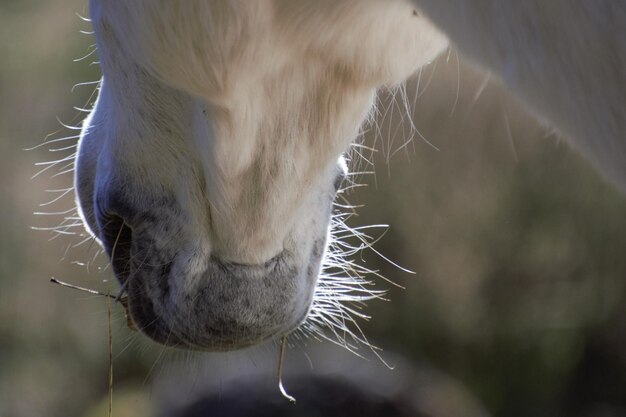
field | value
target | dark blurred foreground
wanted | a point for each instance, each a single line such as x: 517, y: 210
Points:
x: 325, y: 383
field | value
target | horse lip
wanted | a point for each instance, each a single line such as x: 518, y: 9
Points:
x: 148, y: 322
x: 214, y: 330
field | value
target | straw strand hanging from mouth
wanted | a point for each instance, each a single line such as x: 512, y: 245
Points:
x: 117, y: 298
x: 281, y: 359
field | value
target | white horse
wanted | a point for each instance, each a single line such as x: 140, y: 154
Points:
x: 209, y: 164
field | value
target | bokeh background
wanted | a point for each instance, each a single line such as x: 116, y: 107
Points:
x: 517, y: 303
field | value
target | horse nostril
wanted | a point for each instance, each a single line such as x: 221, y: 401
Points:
x: 116, y: 237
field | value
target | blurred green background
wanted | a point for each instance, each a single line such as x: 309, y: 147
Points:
x: 518, y: 248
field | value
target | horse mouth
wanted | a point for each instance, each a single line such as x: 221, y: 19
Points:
x: 214, y: 305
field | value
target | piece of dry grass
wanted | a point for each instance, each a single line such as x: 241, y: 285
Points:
x: 124, y: 302
x: 281, y: 360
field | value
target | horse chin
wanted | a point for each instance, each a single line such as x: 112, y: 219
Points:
x: 180, y: 293
x: 225, y: 306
